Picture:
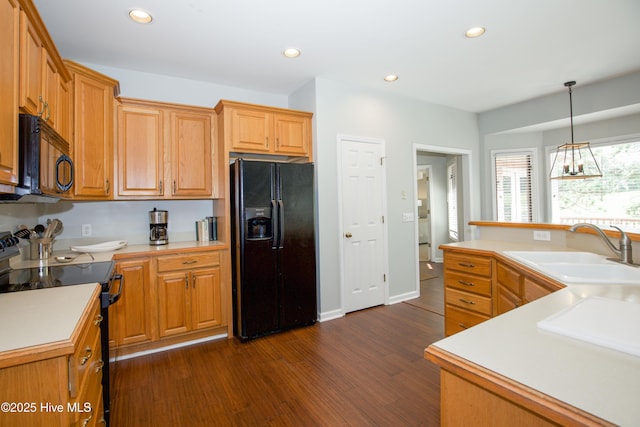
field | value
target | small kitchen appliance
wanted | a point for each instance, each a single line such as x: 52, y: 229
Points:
x: 158, y: 223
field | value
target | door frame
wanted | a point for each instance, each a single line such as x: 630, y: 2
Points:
x: 365, y: 140
x: 466, y: 176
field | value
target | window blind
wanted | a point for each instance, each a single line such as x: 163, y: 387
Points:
x: 513, y: 187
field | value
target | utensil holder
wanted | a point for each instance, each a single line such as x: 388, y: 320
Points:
x: 40, y: 248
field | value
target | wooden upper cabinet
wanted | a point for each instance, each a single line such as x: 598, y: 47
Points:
x: 191, y: 161
x: 165, y: 151
x: 43, y: 75
x: 140, y: 150
x: 9, y: 89
x: 93, y: 133
x: 257, y: 129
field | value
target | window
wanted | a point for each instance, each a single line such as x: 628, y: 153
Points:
x: 452, y: 202
x: 613, y: 199
x: 513, y: 189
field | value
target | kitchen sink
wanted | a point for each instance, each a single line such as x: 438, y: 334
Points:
x: 592, y: 273
x: 578, y: 267
x: 537, y: 257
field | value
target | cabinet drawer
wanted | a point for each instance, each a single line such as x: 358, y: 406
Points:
x: 87, y: 356
x: 88, y: 409
x: 475, y: 264
x: 468, y: 283
x: 457, y: 319
x: 188, y: 261
x: 468, y: 301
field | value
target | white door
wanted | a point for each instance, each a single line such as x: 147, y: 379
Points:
x: 363, y: 229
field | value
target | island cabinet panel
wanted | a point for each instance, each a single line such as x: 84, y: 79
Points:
x: 134, y: 311
x: 9, y: 89
x: 64, y: 390
x: 468, y: 290
x: 165, y: 151
x: 93, y: 111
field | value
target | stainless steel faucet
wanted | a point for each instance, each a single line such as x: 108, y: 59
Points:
x: 624, y: 252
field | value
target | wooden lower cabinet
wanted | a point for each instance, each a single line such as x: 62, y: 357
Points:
x: 480, y: 285
x: 133, y: 320
x: 59, y: 391
x: 468, y: 291
x: 188, y: 301
x: 168, y: 299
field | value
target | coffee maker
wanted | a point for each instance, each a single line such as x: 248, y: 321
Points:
x: 158, y: 222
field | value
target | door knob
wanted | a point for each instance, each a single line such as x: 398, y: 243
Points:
x: 348, y: 235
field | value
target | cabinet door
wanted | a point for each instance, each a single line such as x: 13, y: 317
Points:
x: 140, y: 151
x: 205, y: 298
x: 133, y: 311
x: 30, y: 67
x: 173, y: 294
x: 191, y: 161
x: 292, y: 134
x: 506, y: 300
x: 9, y: 66
x: 50, y: 85
x: 63, y: 110
x: 93, y: 118
x: 250, y: 131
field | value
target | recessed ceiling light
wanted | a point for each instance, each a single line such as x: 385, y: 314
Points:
x: 292, y: 52
x: 140, y: 16
x: 474, y: 32
x: 390, y: 78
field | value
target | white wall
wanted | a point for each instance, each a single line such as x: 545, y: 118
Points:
x: 401, y: 122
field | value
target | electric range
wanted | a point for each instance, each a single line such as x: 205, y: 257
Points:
x: 42, y: 277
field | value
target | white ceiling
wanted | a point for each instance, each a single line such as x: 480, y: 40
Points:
x: 530, y: 49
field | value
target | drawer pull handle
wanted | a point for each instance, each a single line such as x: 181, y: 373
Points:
x: 463, y: 326
x: 466, y: 264
x: 462, y: 282
x: 98, y: 320
x: 87, y: 355
x: 86, y: 421
x: 99, y: 365
x: 466, y: 301
x: 189, y: 262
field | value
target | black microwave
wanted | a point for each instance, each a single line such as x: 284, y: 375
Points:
x: 44, y: 165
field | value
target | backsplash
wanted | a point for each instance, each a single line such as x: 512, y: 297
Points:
x: 113, y: 220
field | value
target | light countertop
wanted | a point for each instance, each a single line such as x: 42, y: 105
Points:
x: 590, y: 377
x: 129, y: 251
x: 41, y: 317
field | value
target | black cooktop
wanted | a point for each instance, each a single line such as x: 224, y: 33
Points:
x: 25, y: 279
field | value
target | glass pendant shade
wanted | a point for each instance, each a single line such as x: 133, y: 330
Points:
x: 574, y: 160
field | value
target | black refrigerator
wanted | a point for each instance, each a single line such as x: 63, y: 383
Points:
x: 273, y: 247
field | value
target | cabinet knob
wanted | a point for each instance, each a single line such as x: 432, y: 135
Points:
x: 348, y: 235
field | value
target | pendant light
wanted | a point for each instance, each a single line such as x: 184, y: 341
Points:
x: 574, y: 160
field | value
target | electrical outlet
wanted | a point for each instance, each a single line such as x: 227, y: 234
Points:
x: 86, y: 230
x: 407, y: 217
x: 541, y: 235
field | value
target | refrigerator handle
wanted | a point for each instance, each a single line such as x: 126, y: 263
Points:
x: 274, y: 224
x: 281, y: 221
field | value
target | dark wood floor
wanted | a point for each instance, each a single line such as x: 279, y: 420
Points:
x: 365, y: 369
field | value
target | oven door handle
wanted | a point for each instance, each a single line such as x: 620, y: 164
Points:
x: 113, y: 298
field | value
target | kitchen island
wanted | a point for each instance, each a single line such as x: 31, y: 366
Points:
x: 507, y: 371
x: 50, y: 363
